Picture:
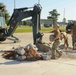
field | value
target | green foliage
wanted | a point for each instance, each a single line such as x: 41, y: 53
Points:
x: 25, y: 23
x: 25, y: 29
x: 6, y: 13
x: 53, y: 16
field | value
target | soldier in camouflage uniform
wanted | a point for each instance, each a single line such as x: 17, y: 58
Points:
x: 73, y: 32
x: 65, y: 37
x: 56, y: 42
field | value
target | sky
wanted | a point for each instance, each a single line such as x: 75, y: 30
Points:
x: 47, y: 5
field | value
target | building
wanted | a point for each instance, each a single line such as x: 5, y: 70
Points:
x: 47, y: 22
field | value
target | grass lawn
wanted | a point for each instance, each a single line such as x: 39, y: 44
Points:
x: 24, y: 29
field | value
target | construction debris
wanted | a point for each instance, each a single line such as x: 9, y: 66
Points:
x: 31, y: 52
x: 22, y: 54
x: 43, y: 47
x: 46, y: 56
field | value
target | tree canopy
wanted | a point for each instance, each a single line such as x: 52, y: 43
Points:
x: 53, y: 15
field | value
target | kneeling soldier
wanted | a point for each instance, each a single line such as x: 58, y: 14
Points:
x: 65, y: 37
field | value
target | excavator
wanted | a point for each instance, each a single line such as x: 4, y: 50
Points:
x: 7, y: 30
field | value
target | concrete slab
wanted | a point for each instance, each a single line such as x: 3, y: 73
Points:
x: 62, y: 66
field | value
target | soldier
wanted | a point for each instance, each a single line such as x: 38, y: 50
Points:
x: 73, y: 33
x: 56, y: 42
x: 65, y: 37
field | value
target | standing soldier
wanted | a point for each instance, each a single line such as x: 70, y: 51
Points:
x: 73, y: 33
x: 56, y: 42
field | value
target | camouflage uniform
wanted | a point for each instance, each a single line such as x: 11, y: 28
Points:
x: 73, y: 41
x: 56, y: 44
x: 64, y: 35
x: 73, y: 36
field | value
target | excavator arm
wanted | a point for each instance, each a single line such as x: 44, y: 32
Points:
x: 22, y: 13
x: 17, y: 16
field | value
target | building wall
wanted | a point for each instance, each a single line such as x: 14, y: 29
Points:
x: 47, y: 21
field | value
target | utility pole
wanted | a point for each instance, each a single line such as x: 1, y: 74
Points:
x: 38, y: 1
x: 64, y: 13
x: 14, y: 4
x: 64, y: 19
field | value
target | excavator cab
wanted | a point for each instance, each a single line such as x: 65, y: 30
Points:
x: 3, y: 26
x: 2, y: 20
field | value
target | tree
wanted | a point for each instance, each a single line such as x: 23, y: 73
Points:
x: 25, y: 23
x: 6, y: 13
x: 53, y: 16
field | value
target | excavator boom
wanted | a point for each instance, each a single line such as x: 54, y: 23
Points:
x: 22, y: 13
